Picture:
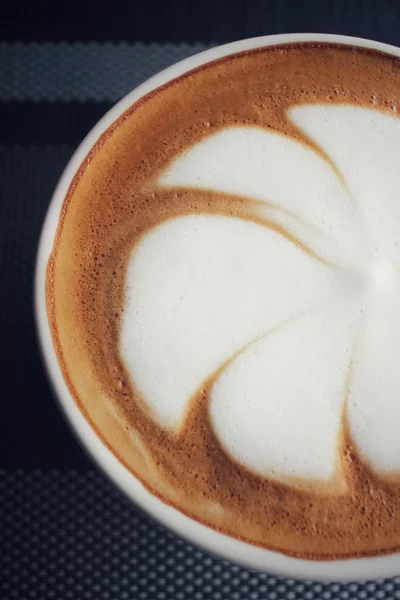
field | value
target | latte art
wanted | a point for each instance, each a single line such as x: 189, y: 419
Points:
x: 227, y: 312
x: 278, y: 406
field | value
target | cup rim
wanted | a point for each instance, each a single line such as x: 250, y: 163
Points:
x: 208, y: 539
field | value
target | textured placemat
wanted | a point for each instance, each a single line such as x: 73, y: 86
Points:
x: 83, y: 71
x: 64, y: 531
x: 71, y: 535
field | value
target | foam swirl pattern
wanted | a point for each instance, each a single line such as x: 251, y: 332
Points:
x: 301, y: 330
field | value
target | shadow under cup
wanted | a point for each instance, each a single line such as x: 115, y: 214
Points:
x: 217, y: 543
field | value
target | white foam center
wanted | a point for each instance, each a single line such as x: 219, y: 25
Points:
x: 298, y: 333
x: 383, y: 275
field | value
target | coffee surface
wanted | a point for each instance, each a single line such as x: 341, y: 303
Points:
x: 224, y: 296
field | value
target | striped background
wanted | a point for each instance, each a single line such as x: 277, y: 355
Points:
x: 189, y: 21
x: 64, y: 531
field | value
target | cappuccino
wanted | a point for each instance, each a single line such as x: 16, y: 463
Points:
x: 224, y: 296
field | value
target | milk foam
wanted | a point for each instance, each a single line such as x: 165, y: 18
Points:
x: 277, y: 408
x: 286, y: 176
x: 299, y: 336
x: 201, y: 287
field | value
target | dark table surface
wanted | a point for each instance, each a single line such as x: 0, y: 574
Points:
x: 65, y: 532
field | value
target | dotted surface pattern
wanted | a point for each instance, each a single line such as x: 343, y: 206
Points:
x: 82, y: 71
x: 73, y: 536
x: 65, y: 532
x: 33, y: 433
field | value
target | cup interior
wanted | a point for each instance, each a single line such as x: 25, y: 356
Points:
x: 216, y: 543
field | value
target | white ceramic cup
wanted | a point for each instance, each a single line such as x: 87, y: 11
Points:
x: 214, y: 542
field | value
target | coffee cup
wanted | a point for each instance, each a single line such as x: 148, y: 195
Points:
x: 213, y: 541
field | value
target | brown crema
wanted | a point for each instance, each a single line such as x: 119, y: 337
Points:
x: 112, y: 201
